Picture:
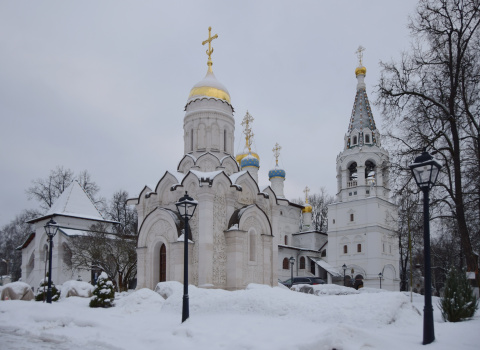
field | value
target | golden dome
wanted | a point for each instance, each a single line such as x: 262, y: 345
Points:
x: 360, y: 70
x: 308, y: 208
x: 240, y: 156
x: 210, y: 87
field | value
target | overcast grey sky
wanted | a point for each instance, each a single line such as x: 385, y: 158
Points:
x: 101, y: 85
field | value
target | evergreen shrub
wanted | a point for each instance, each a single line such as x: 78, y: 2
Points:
x: 104, y: 292
x: 458, y: 302
x: 43, y: 290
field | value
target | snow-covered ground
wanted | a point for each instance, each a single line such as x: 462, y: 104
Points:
x: 259, y: 317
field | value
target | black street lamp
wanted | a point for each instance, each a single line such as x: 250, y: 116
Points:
x: 380, y: 275
x: 292, y: 261
x: 51, y: 230
x: 425, y: 170
x: 344, y: 267
x: 186, y: 208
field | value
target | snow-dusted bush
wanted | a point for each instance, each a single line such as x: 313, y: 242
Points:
x: 458, y: 302
x: 76, y: 289
x: 104, y: 292
x: 166, y: 289
x: 16, y: 291
x: 43, y: 290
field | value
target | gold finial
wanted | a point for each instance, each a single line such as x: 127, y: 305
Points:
x: 359, y: 53
x: 210, y: 48
x: 248, y: 131
x: 306, y: 191
x: 276, y: 152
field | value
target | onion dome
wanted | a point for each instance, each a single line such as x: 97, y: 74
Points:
x: 250, y: 161
x: 360, y: 70
x: 240, y: 156
x: 276, y: 172
x: 307, y: 208
x: 209, y: 87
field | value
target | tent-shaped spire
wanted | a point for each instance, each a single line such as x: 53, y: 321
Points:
x: 75, y: 202
x: 361, y: 129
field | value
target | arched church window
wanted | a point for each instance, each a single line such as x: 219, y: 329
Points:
x: 191, y: 140
x: 370, y: 171
x: 312, y: 267
x: 367, y: 138
x: 67, y: 255
x: 285, y: 263
x: 225, y: 140
x: 302, y: 262
x: 252, y: 245
x: 31, y: 264
x: 359, y: 248
x: 352, y: 217
x: 352, y: 169
x: 163, y: 263
x: 286, y: 239
x: 345, y: 249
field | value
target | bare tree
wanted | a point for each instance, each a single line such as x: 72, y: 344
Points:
x: 113, y: 253
x: 13, y: 235
x: 47, y: 190
x: 110, y: 248
x: 319, y: 203
x: 430, y: 98
x: 409, y: 231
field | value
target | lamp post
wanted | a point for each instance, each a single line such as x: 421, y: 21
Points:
x: 344, y: 267
x: 186, y: 208
x: 292, y: 261
x: 380, y: 275
x: 51, y: 230
x: 425, y: 170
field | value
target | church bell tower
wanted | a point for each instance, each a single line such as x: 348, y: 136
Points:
x: 362, y: 221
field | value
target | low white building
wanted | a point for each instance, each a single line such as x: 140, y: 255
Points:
x: 74, y: 213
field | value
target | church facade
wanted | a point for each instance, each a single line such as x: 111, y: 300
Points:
x: 232, y: 241
x: 243, y: 234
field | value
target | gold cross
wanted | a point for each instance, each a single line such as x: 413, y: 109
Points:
x: 306, y: 190
x: 359, y: 53
x: 276, y: 152
x: 210, y: 48
x: 248, y: 131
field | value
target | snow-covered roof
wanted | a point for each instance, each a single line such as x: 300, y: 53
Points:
x: 75, y: 202
x: 234, y: 177
x: 326, y: 266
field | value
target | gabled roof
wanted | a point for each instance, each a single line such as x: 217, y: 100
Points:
x: 73, y: 202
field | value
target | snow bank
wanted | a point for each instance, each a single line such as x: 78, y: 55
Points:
x: 76, y: 289
x: 167, y: 289
x: 324, y: 289
x: 259, y: 317
x: 140, y: 300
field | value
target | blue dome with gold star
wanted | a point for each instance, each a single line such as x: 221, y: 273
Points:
x: 276, y: 172
x: 250, y: 160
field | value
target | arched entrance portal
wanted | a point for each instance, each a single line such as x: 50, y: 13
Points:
x: 163, y: 263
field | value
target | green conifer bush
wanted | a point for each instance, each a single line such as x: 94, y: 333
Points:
x: 458, y: 302
x: 43, y: 289
x: 104, y: 292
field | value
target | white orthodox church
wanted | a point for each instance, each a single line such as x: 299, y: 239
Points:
x: 242, y: 233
